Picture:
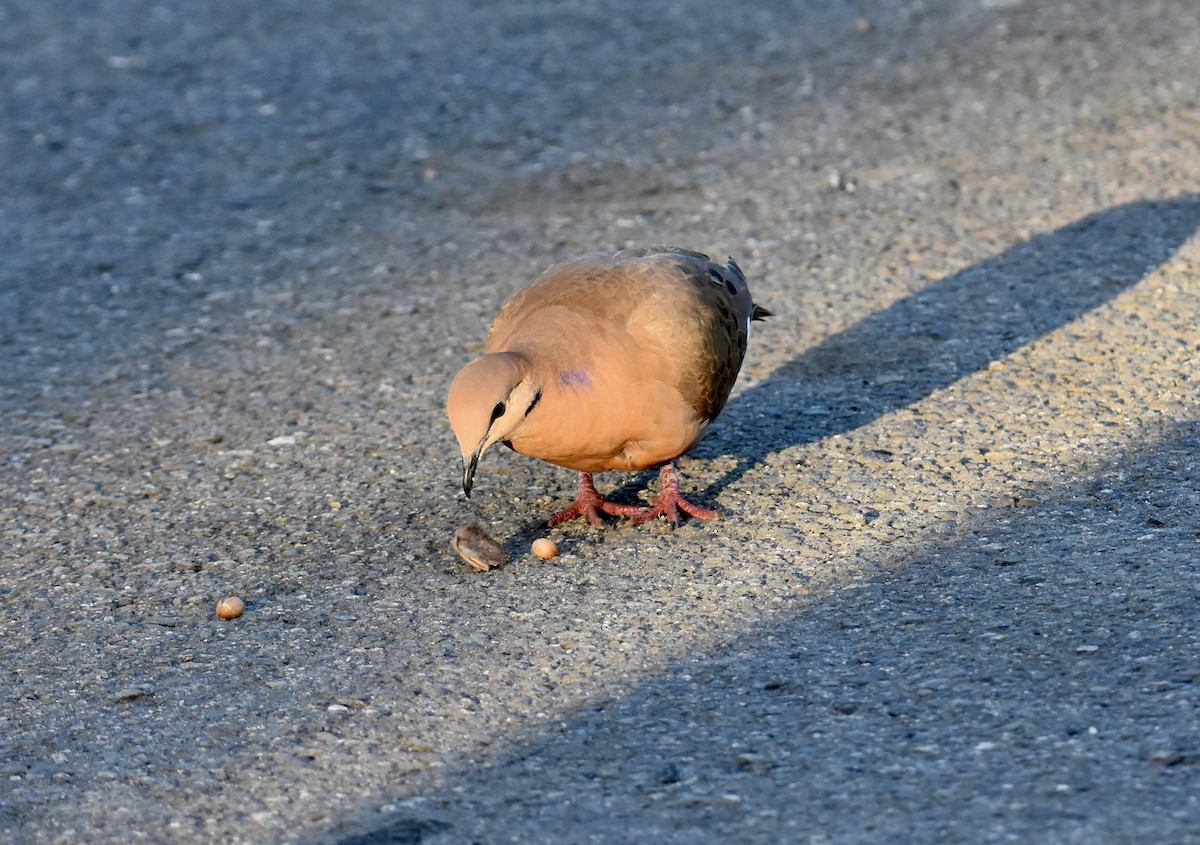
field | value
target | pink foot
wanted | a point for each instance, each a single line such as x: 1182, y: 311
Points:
x: 589, y: 503
x: 670, y: 502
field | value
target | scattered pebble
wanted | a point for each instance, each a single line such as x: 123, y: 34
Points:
x: 129, y: 694
x: 230, y: 607
x: 478, y: 549
x: 839, y: 182
x: 544, y: 548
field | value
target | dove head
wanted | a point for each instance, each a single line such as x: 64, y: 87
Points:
x: 489, y: 399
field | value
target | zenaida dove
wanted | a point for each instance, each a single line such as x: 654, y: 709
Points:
x: 609, y: 361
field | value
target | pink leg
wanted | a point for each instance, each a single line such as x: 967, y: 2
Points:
x: 589, y: 503
x: 670, y: 502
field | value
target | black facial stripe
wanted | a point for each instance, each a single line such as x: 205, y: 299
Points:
x: 537, y: 398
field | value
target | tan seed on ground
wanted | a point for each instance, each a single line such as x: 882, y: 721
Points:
x: 230, y: 607
x: 544, y: 548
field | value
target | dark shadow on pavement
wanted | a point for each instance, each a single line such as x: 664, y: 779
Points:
x: 954, y: 327
x: 1032, y: 677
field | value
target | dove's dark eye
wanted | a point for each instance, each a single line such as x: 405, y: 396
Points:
x: 498, y: 411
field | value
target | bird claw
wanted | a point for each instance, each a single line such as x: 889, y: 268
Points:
x: 668, y: 503
x: 591, y: 504
x: 577, y: 508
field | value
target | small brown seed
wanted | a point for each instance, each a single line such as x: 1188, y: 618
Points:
x: 477, y: 548
x: 544, y: 548
x: 230, y: 607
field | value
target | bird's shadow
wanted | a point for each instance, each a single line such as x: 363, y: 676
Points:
x: 947, y: 330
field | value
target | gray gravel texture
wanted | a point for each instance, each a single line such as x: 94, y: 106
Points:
x: 245, y: 246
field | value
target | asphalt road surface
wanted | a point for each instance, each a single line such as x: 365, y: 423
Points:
x: 244, y: 246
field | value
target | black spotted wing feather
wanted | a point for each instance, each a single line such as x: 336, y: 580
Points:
x: 720, y: 309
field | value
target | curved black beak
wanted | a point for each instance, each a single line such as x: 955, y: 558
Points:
x: 468, y: 468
